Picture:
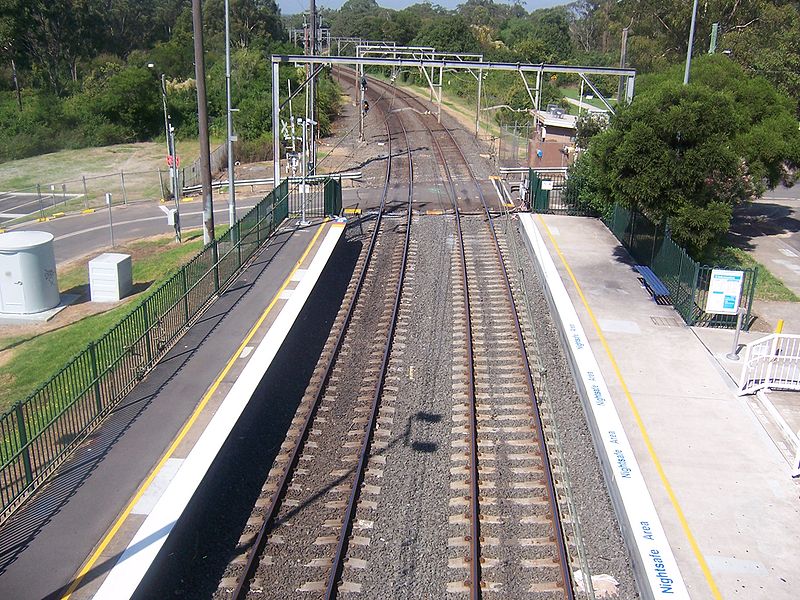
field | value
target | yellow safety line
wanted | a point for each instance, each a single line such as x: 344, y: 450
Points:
x: 645, y: 436
x: 187, y: 426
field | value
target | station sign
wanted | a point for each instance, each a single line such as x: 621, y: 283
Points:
x: 724, y: 292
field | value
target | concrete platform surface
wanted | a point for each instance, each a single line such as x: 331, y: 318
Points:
x: 720, y: 484
x: 64, y: 542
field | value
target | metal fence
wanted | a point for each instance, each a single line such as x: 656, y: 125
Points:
x: 37, y: 434
x: 771, y: 362
x: 320, y: 198
x: 192, y: 175
x: 548, y: 192
x: 513, y: 145
x: 687, y: 280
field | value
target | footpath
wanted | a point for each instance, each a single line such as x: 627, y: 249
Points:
x: 719, y: 480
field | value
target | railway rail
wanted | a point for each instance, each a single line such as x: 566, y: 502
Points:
x: 300, y: 488
x: 498, y: 387
x: 504, y: 504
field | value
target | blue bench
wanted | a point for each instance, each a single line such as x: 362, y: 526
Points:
x: 657, y: 288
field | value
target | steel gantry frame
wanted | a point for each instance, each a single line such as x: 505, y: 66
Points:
x: 425, y: 53
x: 423, y: 63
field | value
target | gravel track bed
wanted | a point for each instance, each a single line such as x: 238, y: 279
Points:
x: 406, y: 554
x: 309, y: 518
x: 605, y: 549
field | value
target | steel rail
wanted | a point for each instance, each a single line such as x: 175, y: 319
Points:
x: 558, y: 532
x: 363, y: 459
x: 563, y: 559
x: 243, y: 584
x: 474, y: 537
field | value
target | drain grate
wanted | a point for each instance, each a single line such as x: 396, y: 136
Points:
x: 666, y: 321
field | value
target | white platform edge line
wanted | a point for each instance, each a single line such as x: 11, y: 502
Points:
x: 133, y: 564
x: 656, y: 569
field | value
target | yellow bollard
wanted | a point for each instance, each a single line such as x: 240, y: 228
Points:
x: 779, y: 326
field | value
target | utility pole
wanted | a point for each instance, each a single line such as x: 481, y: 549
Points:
x: 202, y: 118
x: 623, y: 55
x: 691, y: 43
x: 231, y: 183
x: 312, y: 88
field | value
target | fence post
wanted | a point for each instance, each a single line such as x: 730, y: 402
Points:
x: 147, y: 344
x: 215, y: 258
x: 751, y: 295
x: 23, y: 443
x: 96, y: 377
x: 39, y: 195
x: 238, y: 243
x: 64, y: 193
x: 85, y: 193
x: 185, y: 295
x: 692, y: 319
x: 124, y: 192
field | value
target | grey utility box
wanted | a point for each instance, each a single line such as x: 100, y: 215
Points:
x: 28, y: 282
x: 110, y: 277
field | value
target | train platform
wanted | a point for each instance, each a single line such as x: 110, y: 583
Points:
x: 94, y: 528
x: 720, y: 483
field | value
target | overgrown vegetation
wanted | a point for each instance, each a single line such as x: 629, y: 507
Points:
x: 86, y: 76
x: 690, y: 153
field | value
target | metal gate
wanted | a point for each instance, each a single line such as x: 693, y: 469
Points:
x: 771, y: 362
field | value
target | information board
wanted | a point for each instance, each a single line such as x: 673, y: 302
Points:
x: 724, y: 292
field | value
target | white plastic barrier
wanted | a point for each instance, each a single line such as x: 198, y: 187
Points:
x: 656, y: 569
x: 772, y: 362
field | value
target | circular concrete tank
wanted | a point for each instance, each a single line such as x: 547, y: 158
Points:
x: 28, y: 282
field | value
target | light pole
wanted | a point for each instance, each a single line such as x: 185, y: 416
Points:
x: 691, y: 43
x: 172, y: 156
x: 231, y: 184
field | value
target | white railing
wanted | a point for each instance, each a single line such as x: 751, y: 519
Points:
x: 773, y: 362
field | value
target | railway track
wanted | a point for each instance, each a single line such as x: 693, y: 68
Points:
x: 303, y: 524
x: 310, y: 528
x: 506, y: 498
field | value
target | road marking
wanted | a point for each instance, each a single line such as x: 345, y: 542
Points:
x: 185, y: 430
x: 640, y: 424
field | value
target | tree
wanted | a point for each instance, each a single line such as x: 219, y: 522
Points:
x: 449, y: 34
x: 691, y: 153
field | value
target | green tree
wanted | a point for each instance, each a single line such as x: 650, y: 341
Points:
x: 691, y: 153
x: 449, y: 34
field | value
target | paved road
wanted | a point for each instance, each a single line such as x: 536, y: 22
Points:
x: 80, y: 235
x: 770, y: 229
x: 14, y: 205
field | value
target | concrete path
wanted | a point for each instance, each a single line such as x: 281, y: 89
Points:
x: 721, y: 486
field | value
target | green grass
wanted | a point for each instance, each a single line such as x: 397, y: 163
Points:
x: 768, y: 287
x: 575, y: 95
x: 36, y: 358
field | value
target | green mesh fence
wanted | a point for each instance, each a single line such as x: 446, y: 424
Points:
x: 38, y: 433
x: 686, y: 279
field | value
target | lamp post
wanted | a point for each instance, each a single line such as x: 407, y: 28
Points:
x: 172, y: 160
x: 231, y: 185
x: 691, y: 43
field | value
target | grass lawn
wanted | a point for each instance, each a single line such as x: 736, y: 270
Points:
x: 575, y: 94
x: 34, y: 356
x: 768, y: 287
x: 101, y: 167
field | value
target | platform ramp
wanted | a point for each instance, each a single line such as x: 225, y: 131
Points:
x: 772, y: 362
